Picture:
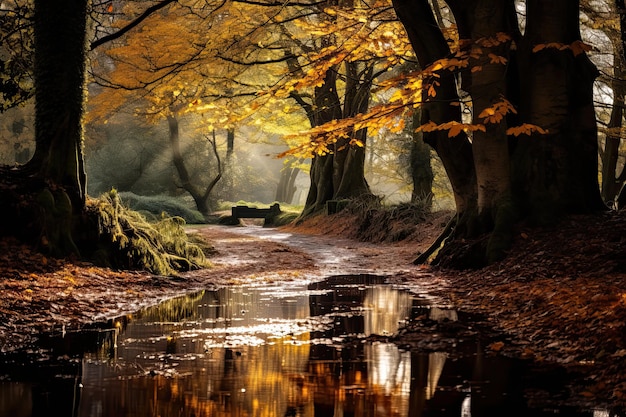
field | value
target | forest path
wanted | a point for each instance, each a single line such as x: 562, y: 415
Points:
x: 253, y: 254
x: 41, y: 294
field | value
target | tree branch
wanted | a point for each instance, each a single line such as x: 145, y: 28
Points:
x: 131, y: 25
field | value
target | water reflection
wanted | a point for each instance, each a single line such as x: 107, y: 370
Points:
x: 316, y: 350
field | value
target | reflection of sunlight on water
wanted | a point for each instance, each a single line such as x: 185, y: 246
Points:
x: 466, y: 407
x: 385, y: 310
x: 436, y: 362
x: 389, y: 368
x: 298, y: 350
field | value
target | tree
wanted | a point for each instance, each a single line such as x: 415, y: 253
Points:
x: 530, y: 148
x: 613, y: 77
x: 534, y: 141
x: 200, y: 197
x: 45, y: 200
x: 335, y: 64
x: 190, y: 82
x: 59, y: 93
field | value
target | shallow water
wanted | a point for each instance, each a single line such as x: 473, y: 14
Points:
x: 320, y: 349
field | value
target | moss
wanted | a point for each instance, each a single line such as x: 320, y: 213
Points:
x: 131, y: 242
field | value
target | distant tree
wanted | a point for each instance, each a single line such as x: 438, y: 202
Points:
x: 16, y: 57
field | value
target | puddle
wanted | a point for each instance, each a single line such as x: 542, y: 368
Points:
x: 321, y: 349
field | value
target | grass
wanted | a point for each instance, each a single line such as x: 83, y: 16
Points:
x: 155, y: 207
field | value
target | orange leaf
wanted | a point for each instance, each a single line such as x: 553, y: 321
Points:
x: 455, y: 130
x: 496, y: 346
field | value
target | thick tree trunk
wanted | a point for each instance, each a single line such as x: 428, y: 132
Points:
x: 60, y: 52
x: 340, y: 174
x: 556, y: 173
x: 55, y: 176
x: 482, y: 21
x: 430, y: 45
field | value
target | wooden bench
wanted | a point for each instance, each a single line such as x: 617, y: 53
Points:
x: 245, y: 212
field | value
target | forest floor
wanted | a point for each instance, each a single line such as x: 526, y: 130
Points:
x: 559, y: 298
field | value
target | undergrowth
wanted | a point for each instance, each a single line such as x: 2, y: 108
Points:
x: 128, y: 240
x: 376, y: 222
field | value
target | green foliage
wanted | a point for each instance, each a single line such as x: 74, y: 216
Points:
x: 156, y: 206
x: 284, y: 218
x: 128, y: 240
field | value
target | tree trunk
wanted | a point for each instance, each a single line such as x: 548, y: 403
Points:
x: 421, y: 168
x: 556, y: 173
x: 56, y: 171
x: 430, y: 45
x: 200, y: 198
x: 612, y: 181
x: 230, y: 142
x: 60, y: 52
x: 340, y: 174
x: 286, y: 188
x: 543, y: 176
x: 349, y: 160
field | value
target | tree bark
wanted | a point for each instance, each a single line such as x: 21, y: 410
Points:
x: 60, y: 57
x: 556, y: 173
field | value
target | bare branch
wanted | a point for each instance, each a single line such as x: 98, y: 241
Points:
x: 131, y: 25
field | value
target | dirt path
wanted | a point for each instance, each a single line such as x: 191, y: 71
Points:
x: 42, y: 295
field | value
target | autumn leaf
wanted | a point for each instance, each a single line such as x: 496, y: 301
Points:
x: 455, y: 130
x: 497, y: 59
x: 496, y: 346
x: 579, y: 47
x: 525, y: 129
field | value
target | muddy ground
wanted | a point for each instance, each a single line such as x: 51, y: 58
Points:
x: 558, y: 299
